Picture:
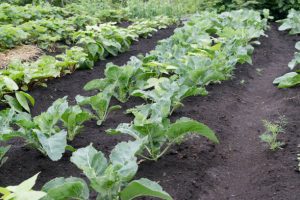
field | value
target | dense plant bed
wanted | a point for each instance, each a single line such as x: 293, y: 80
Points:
x: 200, y: 170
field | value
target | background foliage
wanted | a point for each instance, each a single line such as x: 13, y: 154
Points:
x: 149, y: 8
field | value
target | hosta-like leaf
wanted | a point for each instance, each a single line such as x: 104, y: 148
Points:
x: 93, y: 49
x: 10, y: 83
x: 288, y: 80
x: 66, y: 188
x: 13, y: 103
x: 143, y: 187
x: 73, y: 118
x: 54, y: 145
x: 48, y: 120
x: 185, y: 125
x: 108, y: 184
x: 90, y: 161
x: 23, y: 99
x: 123, y: 155
x: 125, y: 128
x: 96, y: 84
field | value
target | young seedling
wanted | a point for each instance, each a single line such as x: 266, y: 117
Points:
x: 273, y: 129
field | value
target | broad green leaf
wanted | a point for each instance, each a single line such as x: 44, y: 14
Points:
x: 73, y: 118
x: 93, y: 49
x: 13, y: 103
x: 22, y: 98
x: 54, y: 145
x: 10, y: 84
x: 90, y: 161
x: 24, y: 191
x: 5, y: 193
x: 94, y: 84
x: 113, y: 108
x: 125, y: 128
x: 288, y: 80
x: 28, y: 96
x: 47, y: 121
x: 108, y: 184
x: 185, y: 125
x: 66, y: 188
x: 143, y: 187
x: 123, y: 155
x: 99, y: 103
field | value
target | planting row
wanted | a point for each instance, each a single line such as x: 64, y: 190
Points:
x: 205, y: 50
x: 44, y: 32
x: 16, y: 15
x: 291, y: 23
x: 96, y: 42
x: 47, y: 25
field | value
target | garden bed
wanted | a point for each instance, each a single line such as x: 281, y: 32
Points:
x: 240, y: 167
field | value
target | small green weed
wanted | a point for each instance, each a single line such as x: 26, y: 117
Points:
x: 273, y: 129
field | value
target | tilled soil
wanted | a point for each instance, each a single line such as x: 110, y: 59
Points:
x: 239, y: 168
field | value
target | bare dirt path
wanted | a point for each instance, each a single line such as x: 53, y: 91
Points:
x: 250, y: 171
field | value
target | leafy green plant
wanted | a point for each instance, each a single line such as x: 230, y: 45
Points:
x: 105, y: 39
x: 97, y: 43
x: 288, y: 80
x: 117, y: 82
x: 112, y: 179
x: 22, y: 191
x: 270, y: 136
x: 43, y: 132
x: 21, y: 101
x: 74, y: 58
x: 282, y: 6
x: 166, y: 90
x: 73, y: 118
x: 16, y: 15
x: 11, y: 36
x: 145, y: 27
x: 291, y: 23
x: 173, y: 8
x: 66, y: 188
x: 56, y: 189
x: 100, y: 103
x: 7, y: 85
x: 161, y: 135
x: 3, y: 151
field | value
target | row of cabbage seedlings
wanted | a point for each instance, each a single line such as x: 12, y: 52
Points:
x: 94, y: 43
x: 205, y: 50
x: 291, y: 24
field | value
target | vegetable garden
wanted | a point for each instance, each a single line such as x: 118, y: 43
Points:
x: 130, y: 102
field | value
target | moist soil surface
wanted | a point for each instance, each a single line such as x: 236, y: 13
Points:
x: 240, y: 167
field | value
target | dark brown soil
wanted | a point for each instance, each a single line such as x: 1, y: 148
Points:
x: 240, y: 167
